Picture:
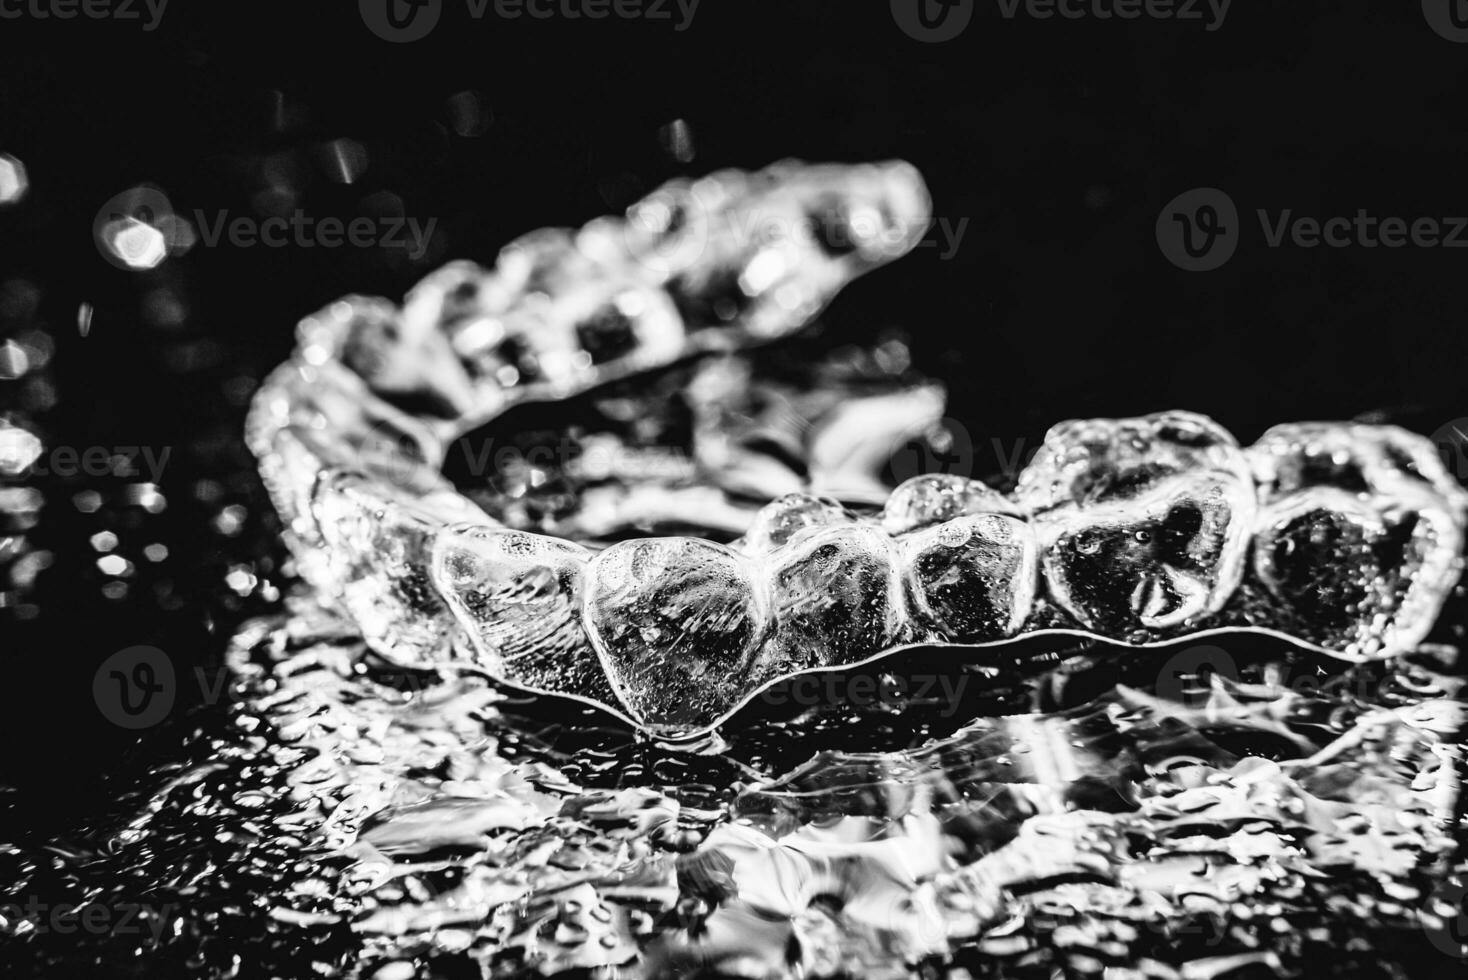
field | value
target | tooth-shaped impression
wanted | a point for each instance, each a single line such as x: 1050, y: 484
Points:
x: 1142, y: 523
x: 378, y: 542
x: 1360, y: 533
x: 836, y: 600
x: 772, y: 248
x: 399, y: 356
x: 1137, y: 530
x: 548, y: 313
x: 937, y: 497
x: 546, y: 287
x: 972, y: 579
x: 676, y: 622
x: 779, y: 520
x: 519, y: 597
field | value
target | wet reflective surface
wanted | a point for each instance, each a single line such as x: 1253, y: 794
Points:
x: 1171, y: 814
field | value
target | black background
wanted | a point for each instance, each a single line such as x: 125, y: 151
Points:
x: 1057, y: 141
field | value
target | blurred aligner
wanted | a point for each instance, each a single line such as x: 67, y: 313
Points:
x: 1341, y: 537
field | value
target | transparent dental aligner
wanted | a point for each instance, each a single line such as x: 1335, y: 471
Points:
x: 759, y: 249
x: 972, y: 578
x: 380, y: 391
x: 1345, y: 538
x: 1143, y: 523
x: 547, y: 314
x: 676, y: 622
x: 1360, y: 533
x: 519, y: 598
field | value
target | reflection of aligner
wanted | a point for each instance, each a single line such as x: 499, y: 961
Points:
x: 1135, y: 530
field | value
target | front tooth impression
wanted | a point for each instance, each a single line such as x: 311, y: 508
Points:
x: 377, y: 546
x: 835, y: 600
x: 1142, y: 523
x: 1359, y: 535
x: 676, y: 622
x: 972, y: 579
x: 518, y: 596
